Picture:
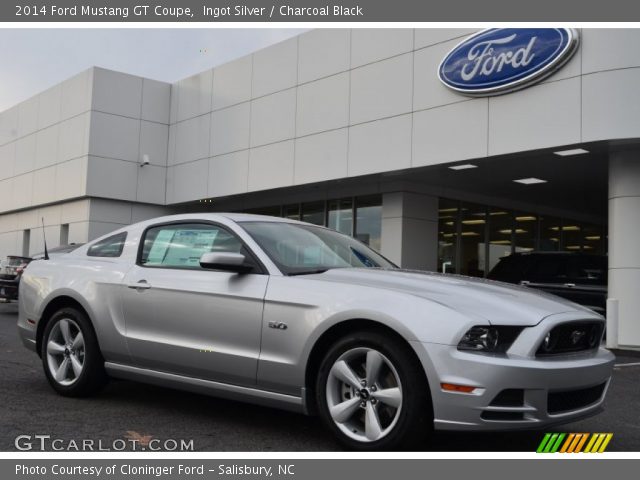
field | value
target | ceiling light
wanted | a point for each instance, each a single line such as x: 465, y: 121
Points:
x: 572, y: 247
x: 530, y: 181
x: 465, y: 166
x: 447, y: 210
x: 470, y: 234
x: 592, y: 237
x: 507, y: 231
x: 473, y: 222
x: 567, y: 228
x: 527, y: 218
x: 498, y: 213
x: 573, y: 151
x: 500, y: 242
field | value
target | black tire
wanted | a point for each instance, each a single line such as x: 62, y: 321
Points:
x: 93, y: 376
x: 414, y: 422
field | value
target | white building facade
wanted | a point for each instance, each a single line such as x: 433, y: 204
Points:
x: 349, y: 128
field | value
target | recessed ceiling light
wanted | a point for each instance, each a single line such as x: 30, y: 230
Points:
x: 465, y: 166
x: 573, y: 151
x: 526, y: 218
x: 530, y: 181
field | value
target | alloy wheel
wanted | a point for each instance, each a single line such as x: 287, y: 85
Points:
x: 364, y: 394
x: 65, y: 352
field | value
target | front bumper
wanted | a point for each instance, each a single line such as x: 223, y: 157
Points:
x: 580, y: 380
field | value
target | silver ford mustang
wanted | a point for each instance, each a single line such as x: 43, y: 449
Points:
x: 297, y: 316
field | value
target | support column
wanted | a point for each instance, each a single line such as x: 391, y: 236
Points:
x: 410, y: 230
x: 624, y: 248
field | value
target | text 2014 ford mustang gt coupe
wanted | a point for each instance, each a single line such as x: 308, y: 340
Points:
x: 297, y: 316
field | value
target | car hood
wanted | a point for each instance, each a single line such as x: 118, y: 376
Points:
x: 499, y: 303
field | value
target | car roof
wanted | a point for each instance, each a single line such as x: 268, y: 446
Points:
x: 234, y: 217
x: 221, y: 217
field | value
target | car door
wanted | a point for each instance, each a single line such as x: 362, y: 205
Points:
x: 183, y: 319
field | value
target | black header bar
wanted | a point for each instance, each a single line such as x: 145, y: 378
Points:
x: 213, y: 11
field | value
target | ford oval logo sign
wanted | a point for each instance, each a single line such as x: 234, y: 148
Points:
x: 501, y: 60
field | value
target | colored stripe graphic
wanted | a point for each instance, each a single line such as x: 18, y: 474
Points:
x: 574, y: 442
x: 606, y: 442
x: 593, y: 440
x: 581, y: 443
x: 544, y: 441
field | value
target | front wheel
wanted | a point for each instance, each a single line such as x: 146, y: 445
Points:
x: 372, y: 393
x: 71, y: 356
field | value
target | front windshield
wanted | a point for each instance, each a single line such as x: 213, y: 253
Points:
x: 298, y: 249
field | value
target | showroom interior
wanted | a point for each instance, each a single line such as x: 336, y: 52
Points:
x: 352, y: 129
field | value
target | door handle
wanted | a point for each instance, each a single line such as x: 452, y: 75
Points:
x: 141, y: 285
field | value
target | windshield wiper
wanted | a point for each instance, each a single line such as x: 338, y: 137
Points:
x: 308, y: 272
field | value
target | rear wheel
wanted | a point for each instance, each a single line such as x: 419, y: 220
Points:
x: 372, y: 393
x: 71, y: 356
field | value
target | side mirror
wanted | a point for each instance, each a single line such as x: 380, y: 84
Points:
x: 228, y: 261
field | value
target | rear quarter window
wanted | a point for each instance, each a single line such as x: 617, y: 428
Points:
x: 110, y: 247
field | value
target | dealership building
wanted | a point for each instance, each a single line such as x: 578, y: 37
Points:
x: 353, y: 129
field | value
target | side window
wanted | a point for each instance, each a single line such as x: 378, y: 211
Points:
x: 182, y: 245
x: 589, y: 270
x: 109, y: 247
x: 551, y: 268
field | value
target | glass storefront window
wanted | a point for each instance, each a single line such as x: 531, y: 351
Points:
x: 271, y: 211
x: 593, y: 239
x: 500, y: 235
x: 447, y: 235
x: 525, y: 232
x: 473, y: 223
x: 291, y: 211
x: 571, y: 236
x: 369, y: 220
x: 313, y: 213
x: 550, y: 234
x: 340, y: 216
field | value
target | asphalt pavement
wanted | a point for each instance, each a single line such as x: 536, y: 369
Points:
x: 129, y: 410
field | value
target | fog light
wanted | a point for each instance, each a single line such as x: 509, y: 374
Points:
x: 451, y: 387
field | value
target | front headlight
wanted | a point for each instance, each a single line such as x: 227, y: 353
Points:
x: 489, y: 339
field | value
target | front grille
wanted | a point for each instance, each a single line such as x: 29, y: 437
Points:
x: 571, y: 337
x: 511, y: 397
x: 568, y: 400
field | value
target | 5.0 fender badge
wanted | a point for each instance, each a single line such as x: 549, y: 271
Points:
x: 278, y: 325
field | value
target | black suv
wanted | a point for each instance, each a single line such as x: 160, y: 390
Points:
x: 578, y: 277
